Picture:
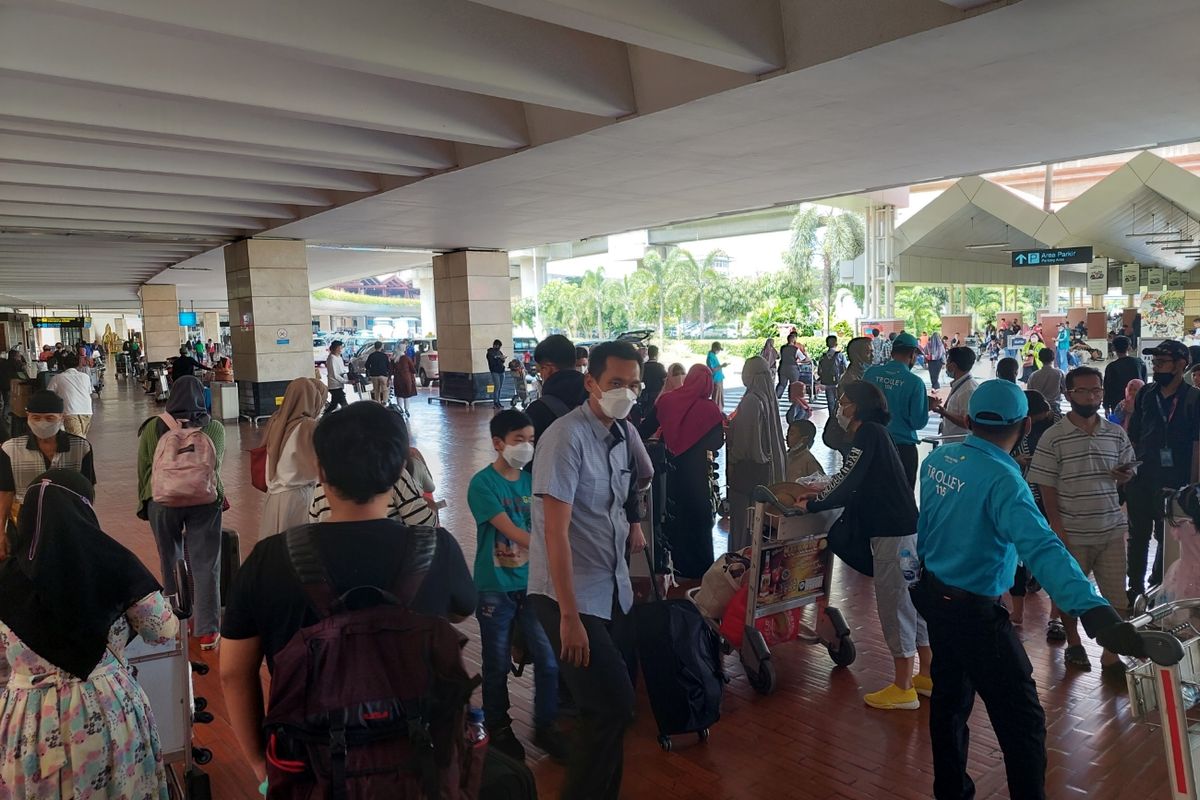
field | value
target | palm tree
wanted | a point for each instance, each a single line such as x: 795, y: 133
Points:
x: 984, y: 301
x: 697, y: 279
x: 656, y: 276
x: 921, y: 307
x: 835, y: 236
x: 595, y: 296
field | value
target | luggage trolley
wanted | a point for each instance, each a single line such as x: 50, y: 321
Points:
x: 790, y: 567
x: 165, y: 675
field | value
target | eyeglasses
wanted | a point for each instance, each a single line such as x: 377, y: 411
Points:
x: 1163, y: 362
x: 1087, y: 392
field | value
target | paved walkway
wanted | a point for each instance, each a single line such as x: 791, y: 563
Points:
x: 812, y: 740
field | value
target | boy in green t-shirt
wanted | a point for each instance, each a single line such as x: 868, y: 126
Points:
x: 499, y: 497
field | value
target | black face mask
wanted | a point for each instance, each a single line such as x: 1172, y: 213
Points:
x: 1164, y: 378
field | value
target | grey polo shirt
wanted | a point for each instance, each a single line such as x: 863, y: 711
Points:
x: 581, y: 462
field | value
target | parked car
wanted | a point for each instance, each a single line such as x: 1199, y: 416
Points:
x: 427, y: 361
x: 320, y: 349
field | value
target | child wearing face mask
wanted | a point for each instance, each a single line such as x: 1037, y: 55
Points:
x: 499, y: 497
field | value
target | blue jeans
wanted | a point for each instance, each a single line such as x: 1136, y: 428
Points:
x: 496, y: 612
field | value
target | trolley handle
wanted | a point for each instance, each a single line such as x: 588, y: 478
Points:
x: 1163, y: 611
x: 764, y: 495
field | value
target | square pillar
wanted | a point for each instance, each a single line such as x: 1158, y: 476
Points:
x: 212, y: 326
x: 161, y: 334
x: 473, y: 307
x: 270, y: 319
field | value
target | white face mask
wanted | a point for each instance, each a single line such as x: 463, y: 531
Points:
x: 843, y: 421
x: 43, y: 429
x: 518, y: 455
x: 617, y: 403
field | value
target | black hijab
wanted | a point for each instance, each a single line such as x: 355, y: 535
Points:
x: 187, y: 401
x: 67, y: 582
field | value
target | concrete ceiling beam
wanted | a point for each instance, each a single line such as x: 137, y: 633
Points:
x: 102, y: 54
x: 127, y: 215
x: 133, y: 200
x: 219, y: 124
x: 18, y: 148
x: 450, y: 44
x: 107, y: 180
x: 745, y: 36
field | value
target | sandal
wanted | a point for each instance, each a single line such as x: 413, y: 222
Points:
x: 1076, y: 656
x: 1055, y: 632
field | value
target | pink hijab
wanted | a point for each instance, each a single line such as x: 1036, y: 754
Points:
x: 688, y: 413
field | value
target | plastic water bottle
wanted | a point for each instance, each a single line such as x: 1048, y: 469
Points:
x: 1191, y: 694
x: 910, y: 566
x: 477, y: 734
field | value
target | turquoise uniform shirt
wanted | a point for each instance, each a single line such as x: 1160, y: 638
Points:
x: 714, y: 363
x: 906, y: 400
x: 977, y: 518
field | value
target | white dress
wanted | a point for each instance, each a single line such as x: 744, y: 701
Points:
x: 290, y: 492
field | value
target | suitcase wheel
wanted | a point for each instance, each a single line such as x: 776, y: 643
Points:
x: 665, y: 743
x: 200, y: 668
x: 703, y: 735
x: 842, y: 652
x: 202, y: 718
x: 202, y: 755
x: 763, y: 679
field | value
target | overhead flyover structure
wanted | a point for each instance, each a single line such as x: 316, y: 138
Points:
x: 1146, y: 212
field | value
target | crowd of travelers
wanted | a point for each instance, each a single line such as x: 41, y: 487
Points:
x: 353, y: 582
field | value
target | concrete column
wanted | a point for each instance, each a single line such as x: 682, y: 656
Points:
x: 473, y: 307
x: 325, y: 322
x: 1052, y: 304
x: 429, y: 319
x: 120, y: 328
x: 270, y: 319
x: 212, y: 326
x: 161, y: 334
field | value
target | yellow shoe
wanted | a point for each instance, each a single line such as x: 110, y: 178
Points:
x: 893, y: 697
x: 923, y: 685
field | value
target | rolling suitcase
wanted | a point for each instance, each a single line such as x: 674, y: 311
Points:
x: 505, y: 778
x: 680, y: 655
x: 231, y: 559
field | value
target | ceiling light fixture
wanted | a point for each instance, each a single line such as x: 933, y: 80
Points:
x: 1181, y: 240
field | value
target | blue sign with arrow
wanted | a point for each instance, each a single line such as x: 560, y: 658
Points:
x: 1045, y: 258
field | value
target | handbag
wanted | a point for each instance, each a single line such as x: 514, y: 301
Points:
x: 847, y: 543
x: 258, y: 468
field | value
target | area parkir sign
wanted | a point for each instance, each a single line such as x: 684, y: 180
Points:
x: 1042, y: 258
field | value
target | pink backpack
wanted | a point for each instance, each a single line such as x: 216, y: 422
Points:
x: 185, y: 467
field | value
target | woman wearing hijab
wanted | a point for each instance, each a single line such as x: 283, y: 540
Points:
x: 73, y: 721
x: 291, y: 461
x: 771, y: 356
x: 404, y: 379
x: 202, y: 524
x: 756, y: 454
x: 675, y: 378
x: 691, y: 426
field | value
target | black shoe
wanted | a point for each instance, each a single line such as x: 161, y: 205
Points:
x: 507, y: 742
x: 553, y: 741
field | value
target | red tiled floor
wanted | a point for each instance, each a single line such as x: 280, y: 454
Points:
x: 812, y: 740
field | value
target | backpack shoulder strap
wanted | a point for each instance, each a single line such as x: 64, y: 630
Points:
x: 419, y: 560
x: 171, y: 423
x: 557, y: 407
x: 310, y: 570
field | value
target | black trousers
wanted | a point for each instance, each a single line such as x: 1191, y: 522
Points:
x: 337, y: 397
x: 1145, y: 506
x: 935, y: 372
x: 976, y: 651
x: 603, y: 694
x: 908, y: 459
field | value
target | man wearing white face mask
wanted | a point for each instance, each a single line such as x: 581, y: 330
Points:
x: 499, y: 497
x: 578, y: 577
x: 47, y: 446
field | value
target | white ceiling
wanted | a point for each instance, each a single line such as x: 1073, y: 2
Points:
x: 511, y: 123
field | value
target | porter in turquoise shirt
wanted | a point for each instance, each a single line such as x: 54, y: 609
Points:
x: 906, y: 400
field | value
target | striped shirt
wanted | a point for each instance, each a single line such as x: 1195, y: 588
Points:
x: 407, y: 504
x: 1078, y: 466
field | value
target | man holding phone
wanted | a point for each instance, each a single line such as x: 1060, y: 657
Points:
x: 1079, y: 464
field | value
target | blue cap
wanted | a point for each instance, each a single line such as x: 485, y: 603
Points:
x: 905, y: 339
x: 1000, y: 402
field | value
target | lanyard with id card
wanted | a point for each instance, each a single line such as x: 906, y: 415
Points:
x: 1166, y: 458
